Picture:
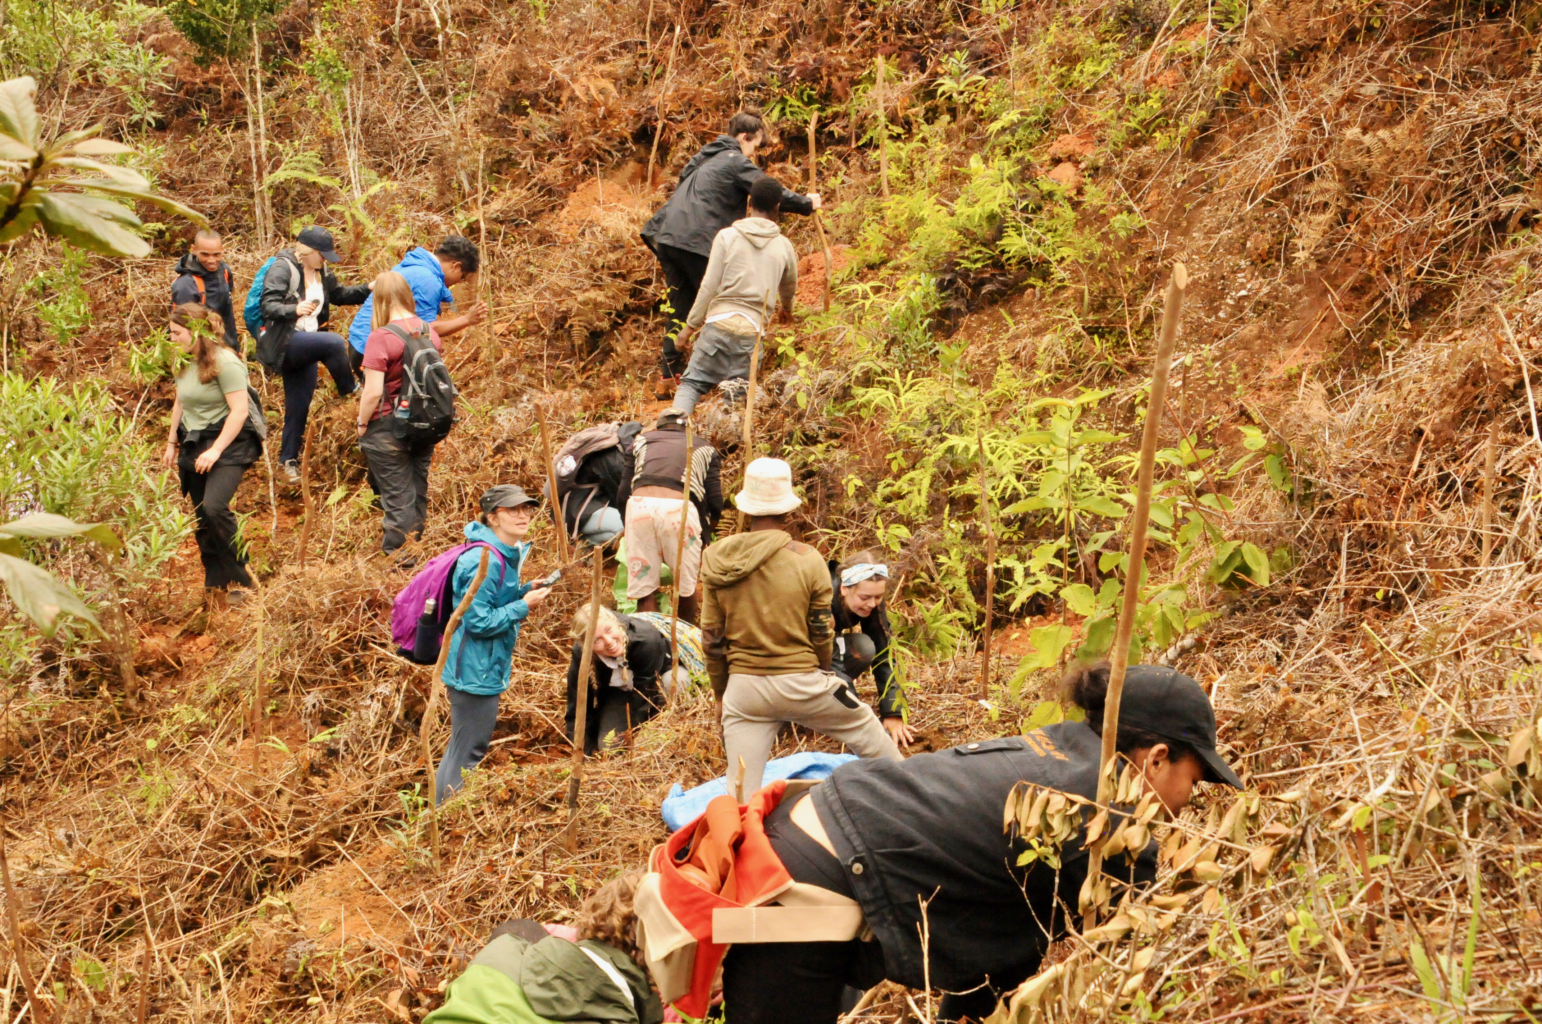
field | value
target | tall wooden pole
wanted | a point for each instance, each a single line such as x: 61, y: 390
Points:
x: 1488, y: 489
x: 990, y: 573
x: 658, y: 131
x: 551, y: 483
x: 18, y: 950
x: 1119, y: 658
x: 429, y: 712
x: 813, y: 120
x: 685, y: 519
x: 749, y: 419
x: 883, y: 128
x: 305, y: 489
x: 581, y: 718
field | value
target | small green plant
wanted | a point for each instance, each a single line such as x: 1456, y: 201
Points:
x: 63, y: 304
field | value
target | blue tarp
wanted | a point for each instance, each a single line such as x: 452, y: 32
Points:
x: 681, y: 807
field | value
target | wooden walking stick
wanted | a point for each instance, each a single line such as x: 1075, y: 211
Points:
x: 551, y: 482
x: 1488, y: 489
x: 749, y: 418
x: 990, y: 574
x: 813, y: 119
x: 305, y: 489
x: 430, y: 712
x: 581, y: 717
x: 1119, y: 657
x: 674, y: 620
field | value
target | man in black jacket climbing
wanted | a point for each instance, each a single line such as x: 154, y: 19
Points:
x: 203, y: 277
x: 710, y: 196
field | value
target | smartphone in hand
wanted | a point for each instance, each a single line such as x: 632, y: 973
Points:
x: 547, y: 581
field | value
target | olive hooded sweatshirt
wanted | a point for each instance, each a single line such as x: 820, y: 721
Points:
x: 767, y: 607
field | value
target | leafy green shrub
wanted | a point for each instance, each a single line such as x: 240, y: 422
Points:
x: 219, y: 28
x: 63, y: 306
x: 72, y: 43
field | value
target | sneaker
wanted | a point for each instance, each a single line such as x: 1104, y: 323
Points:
x: 292, y: 471
x: 235, y: 597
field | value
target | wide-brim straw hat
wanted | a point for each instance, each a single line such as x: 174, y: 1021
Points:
x: 767, y: 489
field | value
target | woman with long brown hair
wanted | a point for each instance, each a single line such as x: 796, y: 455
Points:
x: 211, y: 444
x: 398, y: 467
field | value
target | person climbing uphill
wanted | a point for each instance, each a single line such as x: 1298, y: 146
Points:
x: 298, y: 294
x: 205, y: 279
x: 430, y: 275
x: 211, y: 444
x: 859, y: 588
x: 753, y: 267
x: 631, y: 681
x: 765, y: 623
x: 897, y: 836
x: 476, y: 669
x: 526, y: 974
x: 655, y: 470
x: 710, y: 196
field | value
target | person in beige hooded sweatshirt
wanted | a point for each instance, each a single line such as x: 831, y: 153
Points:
x: 766, y: 628
x: 752, y: 264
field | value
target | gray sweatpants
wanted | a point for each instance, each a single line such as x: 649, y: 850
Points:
x: 756, y: 707
x: 716, y: 355
x: 472, y: 718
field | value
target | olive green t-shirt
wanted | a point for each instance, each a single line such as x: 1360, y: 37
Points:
x: 204, y: 404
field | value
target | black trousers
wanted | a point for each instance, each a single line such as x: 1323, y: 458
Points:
x: 210, y: 493
x: 683, y: 271
x: 612, y: 712
x: 398, y: 472
x: 306, y: 350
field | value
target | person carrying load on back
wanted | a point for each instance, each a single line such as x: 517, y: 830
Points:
x: 765, y: 622
x: 593, y: 476
x: 897, y: 837
x: 656, y: 470
x: 212, y: 442
x: 298, y: 294
x: 710, y: 196
x: 203, y: 277
x: 862, y: 635
x: 631, y: 681
x: 476, y: 668
x: 529, y: 974
x: 431, y: 275
x: 753, y: 266
x: 398, y: 462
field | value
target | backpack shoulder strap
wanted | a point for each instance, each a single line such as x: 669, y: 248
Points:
x: 399, y: 333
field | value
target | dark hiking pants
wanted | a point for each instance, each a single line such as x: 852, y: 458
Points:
x: 683, y: 271
x: 210, y: 493
x: 307, y: 349
x: 399, y: 474
x: 472, y: 719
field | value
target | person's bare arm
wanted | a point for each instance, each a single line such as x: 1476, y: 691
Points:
x: 234, y: 421
x: 369, y: 397
x: 169, y: 458
x: 455, y: 324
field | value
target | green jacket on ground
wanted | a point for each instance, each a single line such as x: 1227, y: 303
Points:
x: 767, y: 607
x: 553, y: 981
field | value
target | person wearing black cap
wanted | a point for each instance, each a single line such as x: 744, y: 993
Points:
x: 898, y: 835
x: 476, y: 667
x: 298, y: 294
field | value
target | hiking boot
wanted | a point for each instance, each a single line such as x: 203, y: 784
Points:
x: 292, y: 471
x: 664, y: 387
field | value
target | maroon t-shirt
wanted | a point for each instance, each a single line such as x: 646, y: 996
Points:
x: 383, y: 351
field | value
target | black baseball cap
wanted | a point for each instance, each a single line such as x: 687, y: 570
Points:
x: 320, y: 239
x: 1169, y: 704
x: 512, y: 496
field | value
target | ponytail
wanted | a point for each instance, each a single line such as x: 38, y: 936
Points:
x: 1085, y: 684
x: 194, y: 317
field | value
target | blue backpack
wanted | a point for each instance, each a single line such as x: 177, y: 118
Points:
x: 252, y: 311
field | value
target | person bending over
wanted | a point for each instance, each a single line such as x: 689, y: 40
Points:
x: 476, y: 668
x: 752, y: 268
x: 298, y: 294
x: 926, y: 832
x: 765, y: 622
x: 654, y: 473
x: 710, y: 196
x: 430, y: 275
x: 631, y: 681
x: 862, y: 636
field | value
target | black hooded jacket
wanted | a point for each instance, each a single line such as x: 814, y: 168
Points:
x: 217, y: 293
x: 711, y: 195
x: 647, y: 657
x: 283, y: 289
x: 876, y: 627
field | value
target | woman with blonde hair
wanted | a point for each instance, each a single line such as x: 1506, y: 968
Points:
x: 631, y: 681
x: 211, y: 444
x: 398, y: 467
x: 298, y: 293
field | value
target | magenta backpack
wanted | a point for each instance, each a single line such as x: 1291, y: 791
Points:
x: 417, y: 631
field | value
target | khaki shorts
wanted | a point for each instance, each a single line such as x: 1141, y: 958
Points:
x: 652, y: 538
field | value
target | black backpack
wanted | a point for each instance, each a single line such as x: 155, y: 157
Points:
x: 424, y: 411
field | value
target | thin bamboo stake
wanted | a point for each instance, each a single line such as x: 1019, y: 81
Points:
x: 581, y: 718
x: 990, y: 573
x: 39, y: 1012
x: 305, y: 489
x: 1531, y: 400
x: 749, y: 420
x: 262, y: 618
x: 813, y: 120
x: 551, y: 482
x: 1120, y: 657
x: 144, y: 978
x: 1488, y: 489
x: 430, y: 712
x: 265, y: 221
x: 484, y: 292
x: 658, y: 131
x: 674, y: 618
x: 883, y: 128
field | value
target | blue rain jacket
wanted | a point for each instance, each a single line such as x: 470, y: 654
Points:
x: 426, y: 278
x: 483, y: 647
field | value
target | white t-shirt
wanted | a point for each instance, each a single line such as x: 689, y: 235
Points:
x: 315, y: 291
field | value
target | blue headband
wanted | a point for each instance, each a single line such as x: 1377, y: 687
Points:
x: 863, y: 571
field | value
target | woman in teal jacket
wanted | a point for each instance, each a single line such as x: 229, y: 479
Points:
x: 476, y: 670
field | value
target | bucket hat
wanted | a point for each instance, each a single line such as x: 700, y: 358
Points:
x: 767, y: 489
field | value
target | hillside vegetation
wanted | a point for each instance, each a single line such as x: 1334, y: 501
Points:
x: 222, y: 811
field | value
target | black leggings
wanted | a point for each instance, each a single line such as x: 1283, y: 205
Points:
x: 216, y: 525
x: 683, y: 271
